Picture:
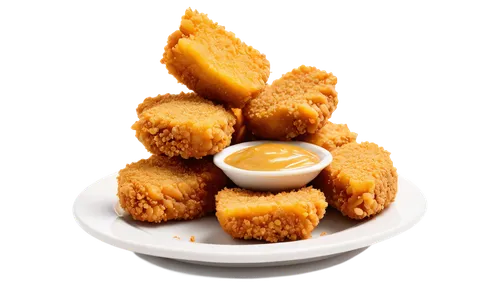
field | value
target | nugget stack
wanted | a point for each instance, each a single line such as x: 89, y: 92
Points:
x: 178, y: 129
x: 231, y: 103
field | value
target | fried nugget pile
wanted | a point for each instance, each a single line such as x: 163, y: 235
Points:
x: 231, y: 103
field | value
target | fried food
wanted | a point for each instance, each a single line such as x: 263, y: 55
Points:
x: 184, y: 124
x: 271, y: 217
x: 300, y: 102
x: 361, y: 180
x: 241, y: 133
x: 165, y: 188
x: 330, y: 136
x: 213, y: 62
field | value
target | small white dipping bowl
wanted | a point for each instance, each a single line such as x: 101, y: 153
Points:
x: 273, y: 181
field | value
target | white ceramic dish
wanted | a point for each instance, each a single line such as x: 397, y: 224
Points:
x: 93, y: 210
x: 272, y: 180
x: 251, y: 273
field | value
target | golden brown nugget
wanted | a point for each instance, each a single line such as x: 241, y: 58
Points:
x: 213, y: 62
x: 184, y: 124
x: 361, y: 180
x: 165, y: 188
x: 330, y: 136
x: 271, y: 217
x: 300, y: 102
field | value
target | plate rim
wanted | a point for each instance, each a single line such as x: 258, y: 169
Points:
x: 255, y: 253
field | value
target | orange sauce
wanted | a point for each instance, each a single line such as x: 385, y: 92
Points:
x: 272, y: 157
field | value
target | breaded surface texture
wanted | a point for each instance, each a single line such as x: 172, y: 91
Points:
x: 361, y: 180
x: 300, y: 102
x: 330, y: 136
x: 162, y: 188
x: 184, y: 124
x: 213, y: 62
x: 271, y: 217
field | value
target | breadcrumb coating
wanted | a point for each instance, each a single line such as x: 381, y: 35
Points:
x: 162, y: 188
x: 184, y: 124
x: 300, y: 102
x: 361, y: 180
x: 330, y: 136
x: 213, y: 62
x: 271, y: 217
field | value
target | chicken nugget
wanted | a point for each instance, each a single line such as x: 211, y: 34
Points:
x: 213, y: 62
x: 361, y: 180
x: 271, y: 217
x: 330, y: 136
x: 165, y: 188
x: 300, y: 102
x: 184, y: 124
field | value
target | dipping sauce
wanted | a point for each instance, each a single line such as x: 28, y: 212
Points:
x: 272, y: 157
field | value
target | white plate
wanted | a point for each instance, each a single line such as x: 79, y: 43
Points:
x: 251, y: 273
x: 93, y: 209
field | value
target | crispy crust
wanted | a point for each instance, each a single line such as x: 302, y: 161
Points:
x: 184, y: 124
x: 361, y: 181
x: 271, y: 217
x: 330, y: 136
x: 213, y: 62
x: 300, y: 102
x: 162, y: 188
